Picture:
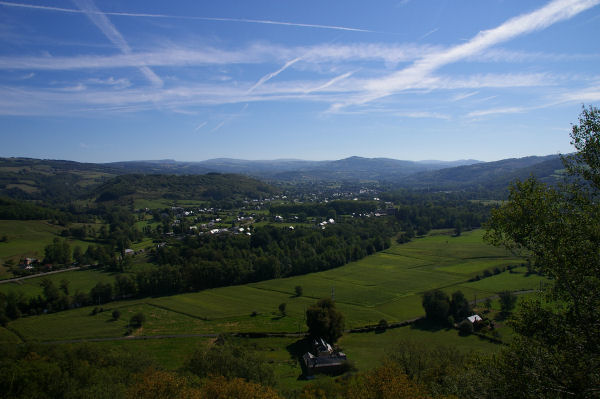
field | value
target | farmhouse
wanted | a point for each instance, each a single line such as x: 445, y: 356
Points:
x: 474, y: 319
x: 28, y: 263
x: 326, y: 360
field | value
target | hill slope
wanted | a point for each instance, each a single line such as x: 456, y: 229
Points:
x: 212, y: 186
x: 492, y: 175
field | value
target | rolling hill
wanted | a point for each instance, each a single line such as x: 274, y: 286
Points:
x: 56, y: 181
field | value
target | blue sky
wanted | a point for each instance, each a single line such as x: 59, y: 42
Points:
x: 102, y: 81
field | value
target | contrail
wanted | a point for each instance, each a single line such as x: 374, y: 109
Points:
x: 110, y: 31
x: 271, y: 75
x: 143, y: 15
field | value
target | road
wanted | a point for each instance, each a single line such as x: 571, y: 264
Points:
x: 12, y: 280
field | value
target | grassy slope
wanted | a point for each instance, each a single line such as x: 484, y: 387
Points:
x: 29, y: 238
x: 79, y: 280
x: 386, y: 285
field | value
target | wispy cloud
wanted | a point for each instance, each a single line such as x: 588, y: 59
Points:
x: 271, y: 75
x: 111, y: 81
x: 422, y: 115
x: 431, y: 32
x: 112, y: 34
x: 330, y: 82
x: 462, y: 96
x: 200, y: 126
x: 421, y: 69
x: 251, y: 54
x: 104, y: 98
x: 495, y: 111
x: 586, y: 95
x: 229, y: 118
x: 219, y: 125
x: 165, y: 16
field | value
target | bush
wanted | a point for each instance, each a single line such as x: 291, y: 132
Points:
x: 282, y: 307
x: 465, y: 327
x: 137, y: 320
x: 298, y: 289
x: 383, y: 324
x: 116, y: 314
x: 508, y: 301
x: 231, y: 361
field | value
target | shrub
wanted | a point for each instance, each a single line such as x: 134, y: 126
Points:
x: 116, y: 314
x: 437, y: 305
x: 383, y: 324
x: 508, y: 300
x: 465, y: 327
x: 137, y: 320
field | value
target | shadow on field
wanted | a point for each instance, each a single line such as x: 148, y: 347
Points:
x: 428, y: 325
x: 297, y: 350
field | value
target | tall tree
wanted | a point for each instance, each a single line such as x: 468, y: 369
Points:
x: 437, y: 305
x: 324, y: 320
x: 557, y: 351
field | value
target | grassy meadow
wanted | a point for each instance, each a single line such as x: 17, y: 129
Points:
x: 79, y: 280
x: 387, y: 285
x: 28, y: 238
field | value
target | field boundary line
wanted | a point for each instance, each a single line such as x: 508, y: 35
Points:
x: 16, y: 279
x: 177, y: 311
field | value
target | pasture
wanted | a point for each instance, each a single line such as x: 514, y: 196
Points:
x: 387, y: 285
x: 28, y: 238
x: 79, y: 280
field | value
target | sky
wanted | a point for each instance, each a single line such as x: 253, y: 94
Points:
x: 103, y: 81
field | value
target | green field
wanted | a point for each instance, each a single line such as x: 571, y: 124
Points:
x: 387, y: 285
x: 366, y: 350
x: 79, y: 280
x: 28, y: 238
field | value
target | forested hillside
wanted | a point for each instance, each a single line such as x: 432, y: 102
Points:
x: 492, y: 176
x: 212, y: 186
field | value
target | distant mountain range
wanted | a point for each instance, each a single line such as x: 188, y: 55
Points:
x: 352, y: 168
x: 492, y: 175
x: 28, y: 178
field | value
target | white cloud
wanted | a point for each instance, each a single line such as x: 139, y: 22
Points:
x: 421, y: 69
x: 271, y: 75
x: 462, y: 96
x: 329, y: 83
x: 111, y: 81
x: 253, y: 54
x: 495, y: 111
x: 431, y: 32
x: 586, y: 95
x: 111, y: 32
x: 166, y: 16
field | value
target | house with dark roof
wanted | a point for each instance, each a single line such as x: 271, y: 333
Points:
x: 325, y: 360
